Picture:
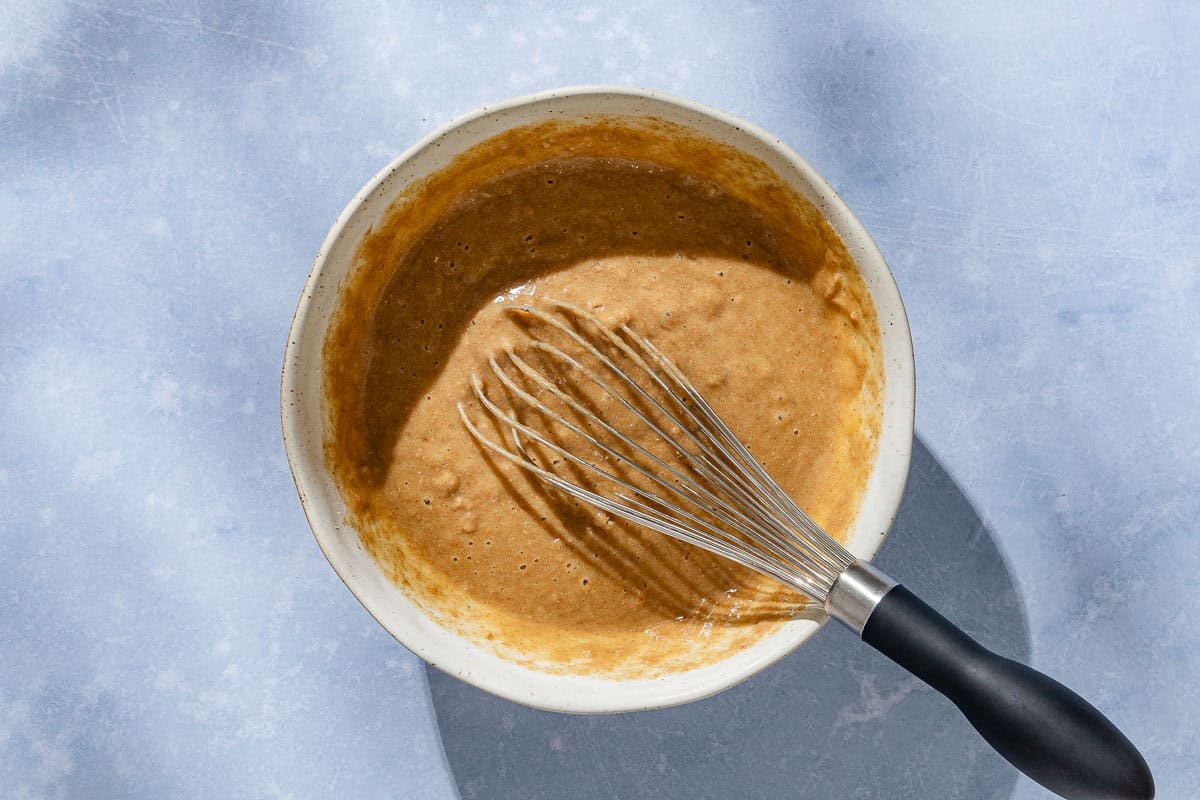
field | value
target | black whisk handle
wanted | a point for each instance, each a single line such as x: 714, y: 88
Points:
x: 1043, y: 728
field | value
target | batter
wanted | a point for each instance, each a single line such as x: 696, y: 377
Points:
x: 733, y: 276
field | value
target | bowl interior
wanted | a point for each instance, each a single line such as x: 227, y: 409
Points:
x: 304, y: 418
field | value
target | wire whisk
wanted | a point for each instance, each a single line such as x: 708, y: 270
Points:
x: 605, y: 417
x: 715, y: 496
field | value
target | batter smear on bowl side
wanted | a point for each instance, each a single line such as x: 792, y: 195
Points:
x: 699, y: 247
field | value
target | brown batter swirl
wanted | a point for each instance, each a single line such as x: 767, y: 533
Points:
x: 732, y: 274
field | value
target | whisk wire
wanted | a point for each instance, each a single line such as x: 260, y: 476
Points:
x: 751, y: 485
x: 723, y: 500
x: 837, y: 556
x: 641, y: 513
x: 745, y: 526
x: 694, y: 491
x: 756, y: 484
x: 707, y: 462
x: 686, y: 483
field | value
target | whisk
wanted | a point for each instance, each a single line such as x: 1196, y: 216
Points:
x: 609, y: 405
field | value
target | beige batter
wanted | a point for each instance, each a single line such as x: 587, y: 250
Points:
x: 759, y: 304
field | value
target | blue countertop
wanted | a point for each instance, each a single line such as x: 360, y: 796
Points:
x: 168, y: 627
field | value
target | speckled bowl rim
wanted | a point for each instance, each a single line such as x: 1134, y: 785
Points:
x: 303, y: 417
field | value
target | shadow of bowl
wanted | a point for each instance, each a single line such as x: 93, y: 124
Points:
x: 833, y: 720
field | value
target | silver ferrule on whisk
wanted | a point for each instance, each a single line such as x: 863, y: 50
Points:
x: 856, y: 593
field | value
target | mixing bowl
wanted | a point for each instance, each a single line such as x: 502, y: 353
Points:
x: 304, y: 418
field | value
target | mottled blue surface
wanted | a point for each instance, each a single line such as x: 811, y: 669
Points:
x: 168, y: 627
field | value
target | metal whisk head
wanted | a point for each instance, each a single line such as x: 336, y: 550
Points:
x: 611, y: 421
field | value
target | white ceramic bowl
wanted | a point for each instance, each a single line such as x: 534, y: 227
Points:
x: 304, y: 418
